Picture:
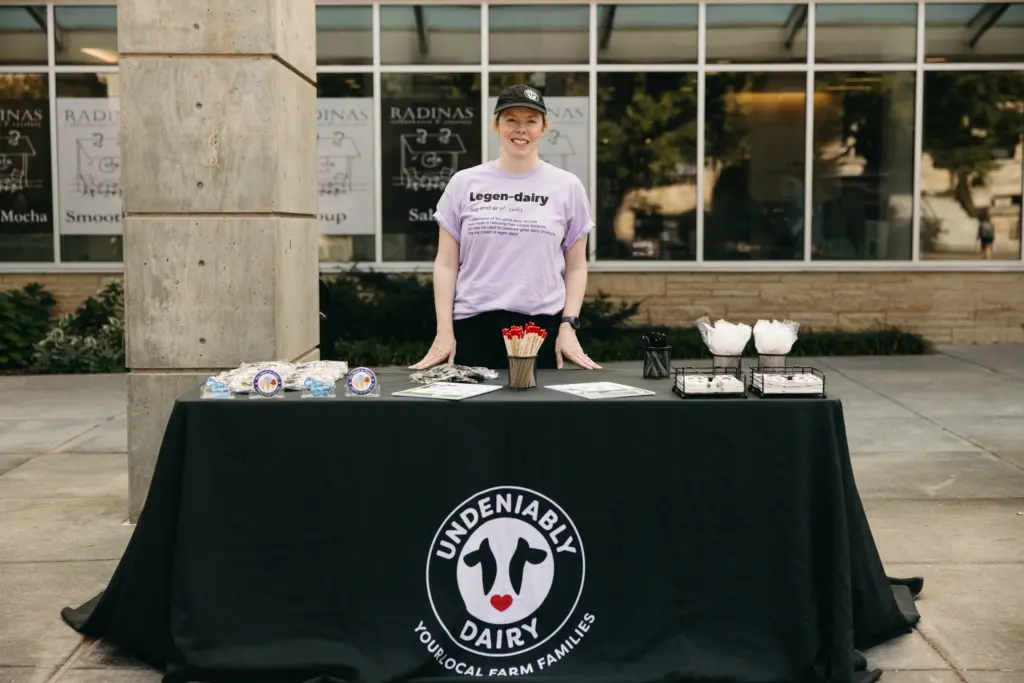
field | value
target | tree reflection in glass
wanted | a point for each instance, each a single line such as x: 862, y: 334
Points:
x: 971, y: 165
x: 646, y: 198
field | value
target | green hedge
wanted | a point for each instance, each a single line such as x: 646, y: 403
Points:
x: 91, y: 339
x: 369, y: 318
x: 379, y: 319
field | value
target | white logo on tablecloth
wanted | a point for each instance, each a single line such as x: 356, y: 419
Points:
x: 505, y: 573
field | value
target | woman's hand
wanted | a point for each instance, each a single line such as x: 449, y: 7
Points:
x: 568, y: 346
x: 443, y: 349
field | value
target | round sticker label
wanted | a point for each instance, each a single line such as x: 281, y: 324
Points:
x: 362, y: 381
x: 267, y: 383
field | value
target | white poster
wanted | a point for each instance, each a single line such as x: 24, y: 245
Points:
x: 89, y: 165
x: 566, y: 144
x: 344, y: 132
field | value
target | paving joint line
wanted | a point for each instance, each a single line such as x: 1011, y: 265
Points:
x: 71, y: 659
x: 79, y: 436
x: 959, y: 674
x: 976, y: 364
x: 928, y: 419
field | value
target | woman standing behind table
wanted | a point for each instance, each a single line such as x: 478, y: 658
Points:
x: 512, y: 248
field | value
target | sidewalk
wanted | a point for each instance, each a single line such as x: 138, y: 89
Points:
x: 938, y: 451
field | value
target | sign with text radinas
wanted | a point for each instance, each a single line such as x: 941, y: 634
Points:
x: 26, y: 197
x: 424, y: 143
x: 345, y: 196
x: 566, y: 143
x: 89, y: 165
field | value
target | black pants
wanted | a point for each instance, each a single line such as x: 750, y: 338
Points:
x: 478, y: 339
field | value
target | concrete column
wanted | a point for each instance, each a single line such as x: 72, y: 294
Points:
x: 218, y: 145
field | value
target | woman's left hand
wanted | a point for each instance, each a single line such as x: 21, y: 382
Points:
x: 568, y: 346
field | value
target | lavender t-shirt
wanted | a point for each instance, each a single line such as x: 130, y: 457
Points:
x: 513, y: 231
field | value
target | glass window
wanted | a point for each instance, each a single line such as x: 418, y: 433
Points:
x: 418, y: 34
x: 971, y: 165
x: 646, y: 34
x: 646, y: 195
x: 430, y: 129
x: 26, y: 185
x: 566, y: 143
x: 23, y: 35
x: 865, y: 32
x: 539, y: 34
x: 346, y: 204
x: 753, y: 34
x: 863, y: 174
x: 344, y: 35
x: 85, y: 35
x: 754, y: 172
x: 974, y: 32
x: 89, y: 167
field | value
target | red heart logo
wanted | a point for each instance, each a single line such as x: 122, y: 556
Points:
x: 501, y: 602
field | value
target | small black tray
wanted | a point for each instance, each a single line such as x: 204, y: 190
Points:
x: 681, y: 373
x: 757, y: 381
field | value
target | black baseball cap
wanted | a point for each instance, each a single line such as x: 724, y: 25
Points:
x: 520, y: 96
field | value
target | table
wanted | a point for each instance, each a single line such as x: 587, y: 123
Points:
x: 517, y: 533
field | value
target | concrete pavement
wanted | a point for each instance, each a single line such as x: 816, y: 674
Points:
x: 938, y: 451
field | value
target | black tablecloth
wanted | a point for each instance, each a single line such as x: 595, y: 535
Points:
x: 639, y: 540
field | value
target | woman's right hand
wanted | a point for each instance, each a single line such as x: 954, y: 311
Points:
x: 443, y: 349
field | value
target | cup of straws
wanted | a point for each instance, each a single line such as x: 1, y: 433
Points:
x: 522, y: 342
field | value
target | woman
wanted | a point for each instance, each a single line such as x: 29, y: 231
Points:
x: 512, y: 248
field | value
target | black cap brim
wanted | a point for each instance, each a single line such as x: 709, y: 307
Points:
x: 526, y: 105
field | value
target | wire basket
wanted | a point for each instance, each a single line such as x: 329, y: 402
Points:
x: 691, y: 382
x: 787, y: 382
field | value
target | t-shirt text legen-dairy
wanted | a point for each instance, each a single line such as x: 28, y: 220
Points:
x: 513, y: 231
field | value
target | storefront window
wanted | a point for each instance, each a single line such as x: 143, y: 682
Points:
x: 863, y: 171
x: 971, y: 165
x: 753, y: 34
x: 429, y: 34
x: 539, y: 34
x: 346, y: 202
x: 754, y: 190
x: 89, y: 167
x: 646, y: 195
x: 405, y: 90
x: 26, y: 186
x: 85, y: 35
x: 974, y: 32
x: 430, y: 129
x: 22, y: 35
x: 647, y: 34
x: 865, y: 33
x: 344, y: 35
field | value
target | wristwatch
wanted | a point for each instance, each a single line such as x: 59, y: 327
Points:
x: 572, y: 320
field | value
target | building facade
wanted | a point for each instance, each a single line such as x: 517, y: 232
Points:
x: 843, y: 164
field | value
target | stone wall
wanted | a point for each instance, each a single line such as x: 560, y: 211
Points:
x: 946, y: 307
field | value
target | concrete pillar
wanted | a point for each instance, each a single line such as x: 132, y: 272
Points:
x: 218, y: 109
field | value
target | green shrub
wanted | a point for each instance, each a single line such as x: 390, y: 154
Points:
x: 25, y: 317
x: 89, y: 340
x: 380, y: 319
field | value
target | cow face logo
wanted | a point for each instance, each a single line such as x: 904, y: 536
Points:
x: 532, y: 94
x: 505, y: 572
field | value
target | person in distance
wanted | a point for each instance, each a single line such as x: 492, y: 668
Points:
x: 512, y: 248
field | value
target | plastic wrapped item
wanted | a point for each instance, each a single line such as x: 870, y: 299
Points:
x: 724, y: 338
x: 775, y: 338
x: 324, y: 371
x: 452, y: 373
x: 240, y: 379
